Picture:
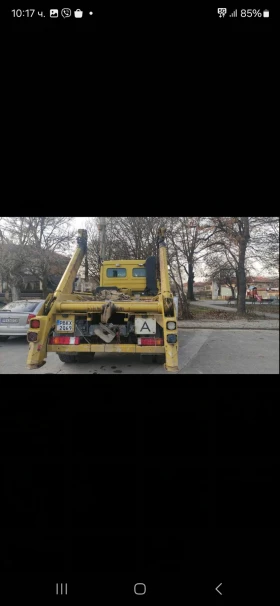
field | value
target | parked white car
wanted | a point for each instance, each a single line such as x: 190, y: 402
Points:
x: 15, y: 316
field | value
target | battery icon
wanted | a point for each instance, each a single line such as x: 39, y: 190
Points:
x: 266, y: 13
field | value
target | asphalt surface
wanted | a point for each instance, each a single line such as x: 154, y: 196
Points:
x: 208, y: 351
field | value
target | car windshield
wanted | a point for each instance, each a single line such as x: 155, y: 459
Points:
x: 20, y: 307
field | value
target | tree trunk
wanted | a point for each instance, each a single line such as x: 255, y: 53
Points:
x: 45, y: 287
x: 191, y: 296
x: 241, y: 273
x: 241, y: 303
x: 237, y: 287
x: 15, y: 293
x: 183, y: 306
x: 232, y: 290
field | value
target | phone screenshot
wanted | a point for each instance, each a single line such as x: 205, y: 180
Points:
x: 160, y: 482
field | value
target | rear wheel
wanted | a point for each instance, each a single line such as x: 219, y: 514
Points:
x: 159, y: 359
x: 4, y: 338
x: 146, y: 359
x: 68, y: 358
x: 78, y: 357
x: 85, y: 357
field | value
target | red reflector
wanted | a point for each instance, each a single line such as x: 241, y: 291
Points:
x: 32, y: 336
x: 30, y: 317
x: 150, y: 341
x: 64, y: 340
x: 35, y: 324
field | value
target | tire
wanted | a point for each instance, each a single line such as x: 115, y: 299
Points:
x: 85, y: 358
x: 159, y: 359
x: 4, y: 339
x: 68, y: 358
x: 146, y: 359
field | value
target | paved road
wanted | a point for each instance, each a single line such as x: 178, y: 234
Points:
x: 215, y: 304
x: 205, y: 351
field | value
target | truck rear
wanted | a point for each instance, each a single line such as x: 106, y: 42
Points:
x: 131, y: 312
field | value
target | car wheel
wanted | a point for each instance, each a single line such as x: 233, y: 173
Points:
x: 4, y: 338
x: 68, y: 358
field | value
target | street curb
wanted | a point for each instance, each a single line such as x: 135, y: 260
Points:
x: 227, y: 327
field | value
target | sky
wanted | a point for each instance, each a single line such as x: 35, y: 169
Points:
x: 80, y: 222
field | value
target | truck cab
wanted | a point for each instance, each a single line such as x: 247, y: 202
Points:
x: 135, y: 277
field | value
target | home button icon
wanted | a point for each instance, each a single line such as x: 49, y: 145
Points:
x: 140, y: 588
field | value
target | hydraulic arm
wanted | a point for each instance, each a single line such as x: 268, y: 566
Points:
x: 46, y: 318
x: 170, y: 330
x: 66, y: 283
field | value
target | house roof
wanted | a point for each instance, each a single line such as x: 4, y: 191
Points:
x: 265, y: 279
x: 262, y: 279
x: 206, y: 283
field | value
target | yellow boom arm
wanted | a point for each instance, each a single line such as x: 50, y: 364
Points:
x: 66, y: 283
x: 38, y: 349
x: 168, y: 309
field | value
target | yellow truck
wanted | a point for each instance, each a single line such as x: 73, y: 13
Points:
x: 132, y: 311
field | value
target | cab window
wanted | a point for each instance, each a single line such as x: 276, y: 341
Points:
x: 118, y: 272
x: 139, y: 272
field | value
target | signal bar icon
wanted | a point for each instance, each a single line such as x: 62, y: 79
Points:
x: 234, y: 14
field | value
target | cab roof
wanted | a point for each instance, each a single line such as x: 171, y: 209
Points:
x: 116, y: 262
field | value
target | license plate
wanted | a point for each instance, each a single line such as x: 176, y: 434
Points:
x: 9, y: 320
x: 64, y: 325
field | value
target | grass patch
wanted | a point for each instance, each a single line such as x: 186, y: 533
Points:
x: 272, y: 309
x: 253, y: 312
x: 262, y: 307
x: 206, y: 313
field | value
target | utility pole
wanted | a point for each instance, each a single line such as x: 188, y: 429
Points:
x: 102, y: 238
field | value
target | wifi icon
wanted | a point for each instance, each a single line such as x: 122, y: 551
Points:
x: 234, y: 14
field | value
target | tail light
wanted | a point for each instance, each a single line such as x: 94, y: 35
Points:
x: 30, y: 317
x: 32, y: 336
x: 35, y: 324
x: 171, y: 338
x: 64, y: 340
x: 149, y: 341
x: 171, y: 325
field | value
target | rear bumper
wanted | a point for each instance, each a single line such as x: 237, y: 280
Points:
x: 13, y: 333
x: 156, y: 349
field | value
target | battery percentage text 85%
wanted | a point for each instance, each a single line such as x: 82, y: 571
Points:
x: 251, y: 12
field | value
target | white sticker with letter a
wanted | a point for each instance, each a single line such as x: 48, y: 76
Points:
x: 145, y: 326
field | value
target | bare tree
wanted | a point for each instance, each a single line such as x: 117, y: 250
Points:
x: 221, y: 269
x: 190, y: 237
x: 126, y: 237
x: 264, y: 243
x: 40, y: 242
x: 93, y: 251
x: 232, y: 235
x: 132, y: 237
x: 11, y: 266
